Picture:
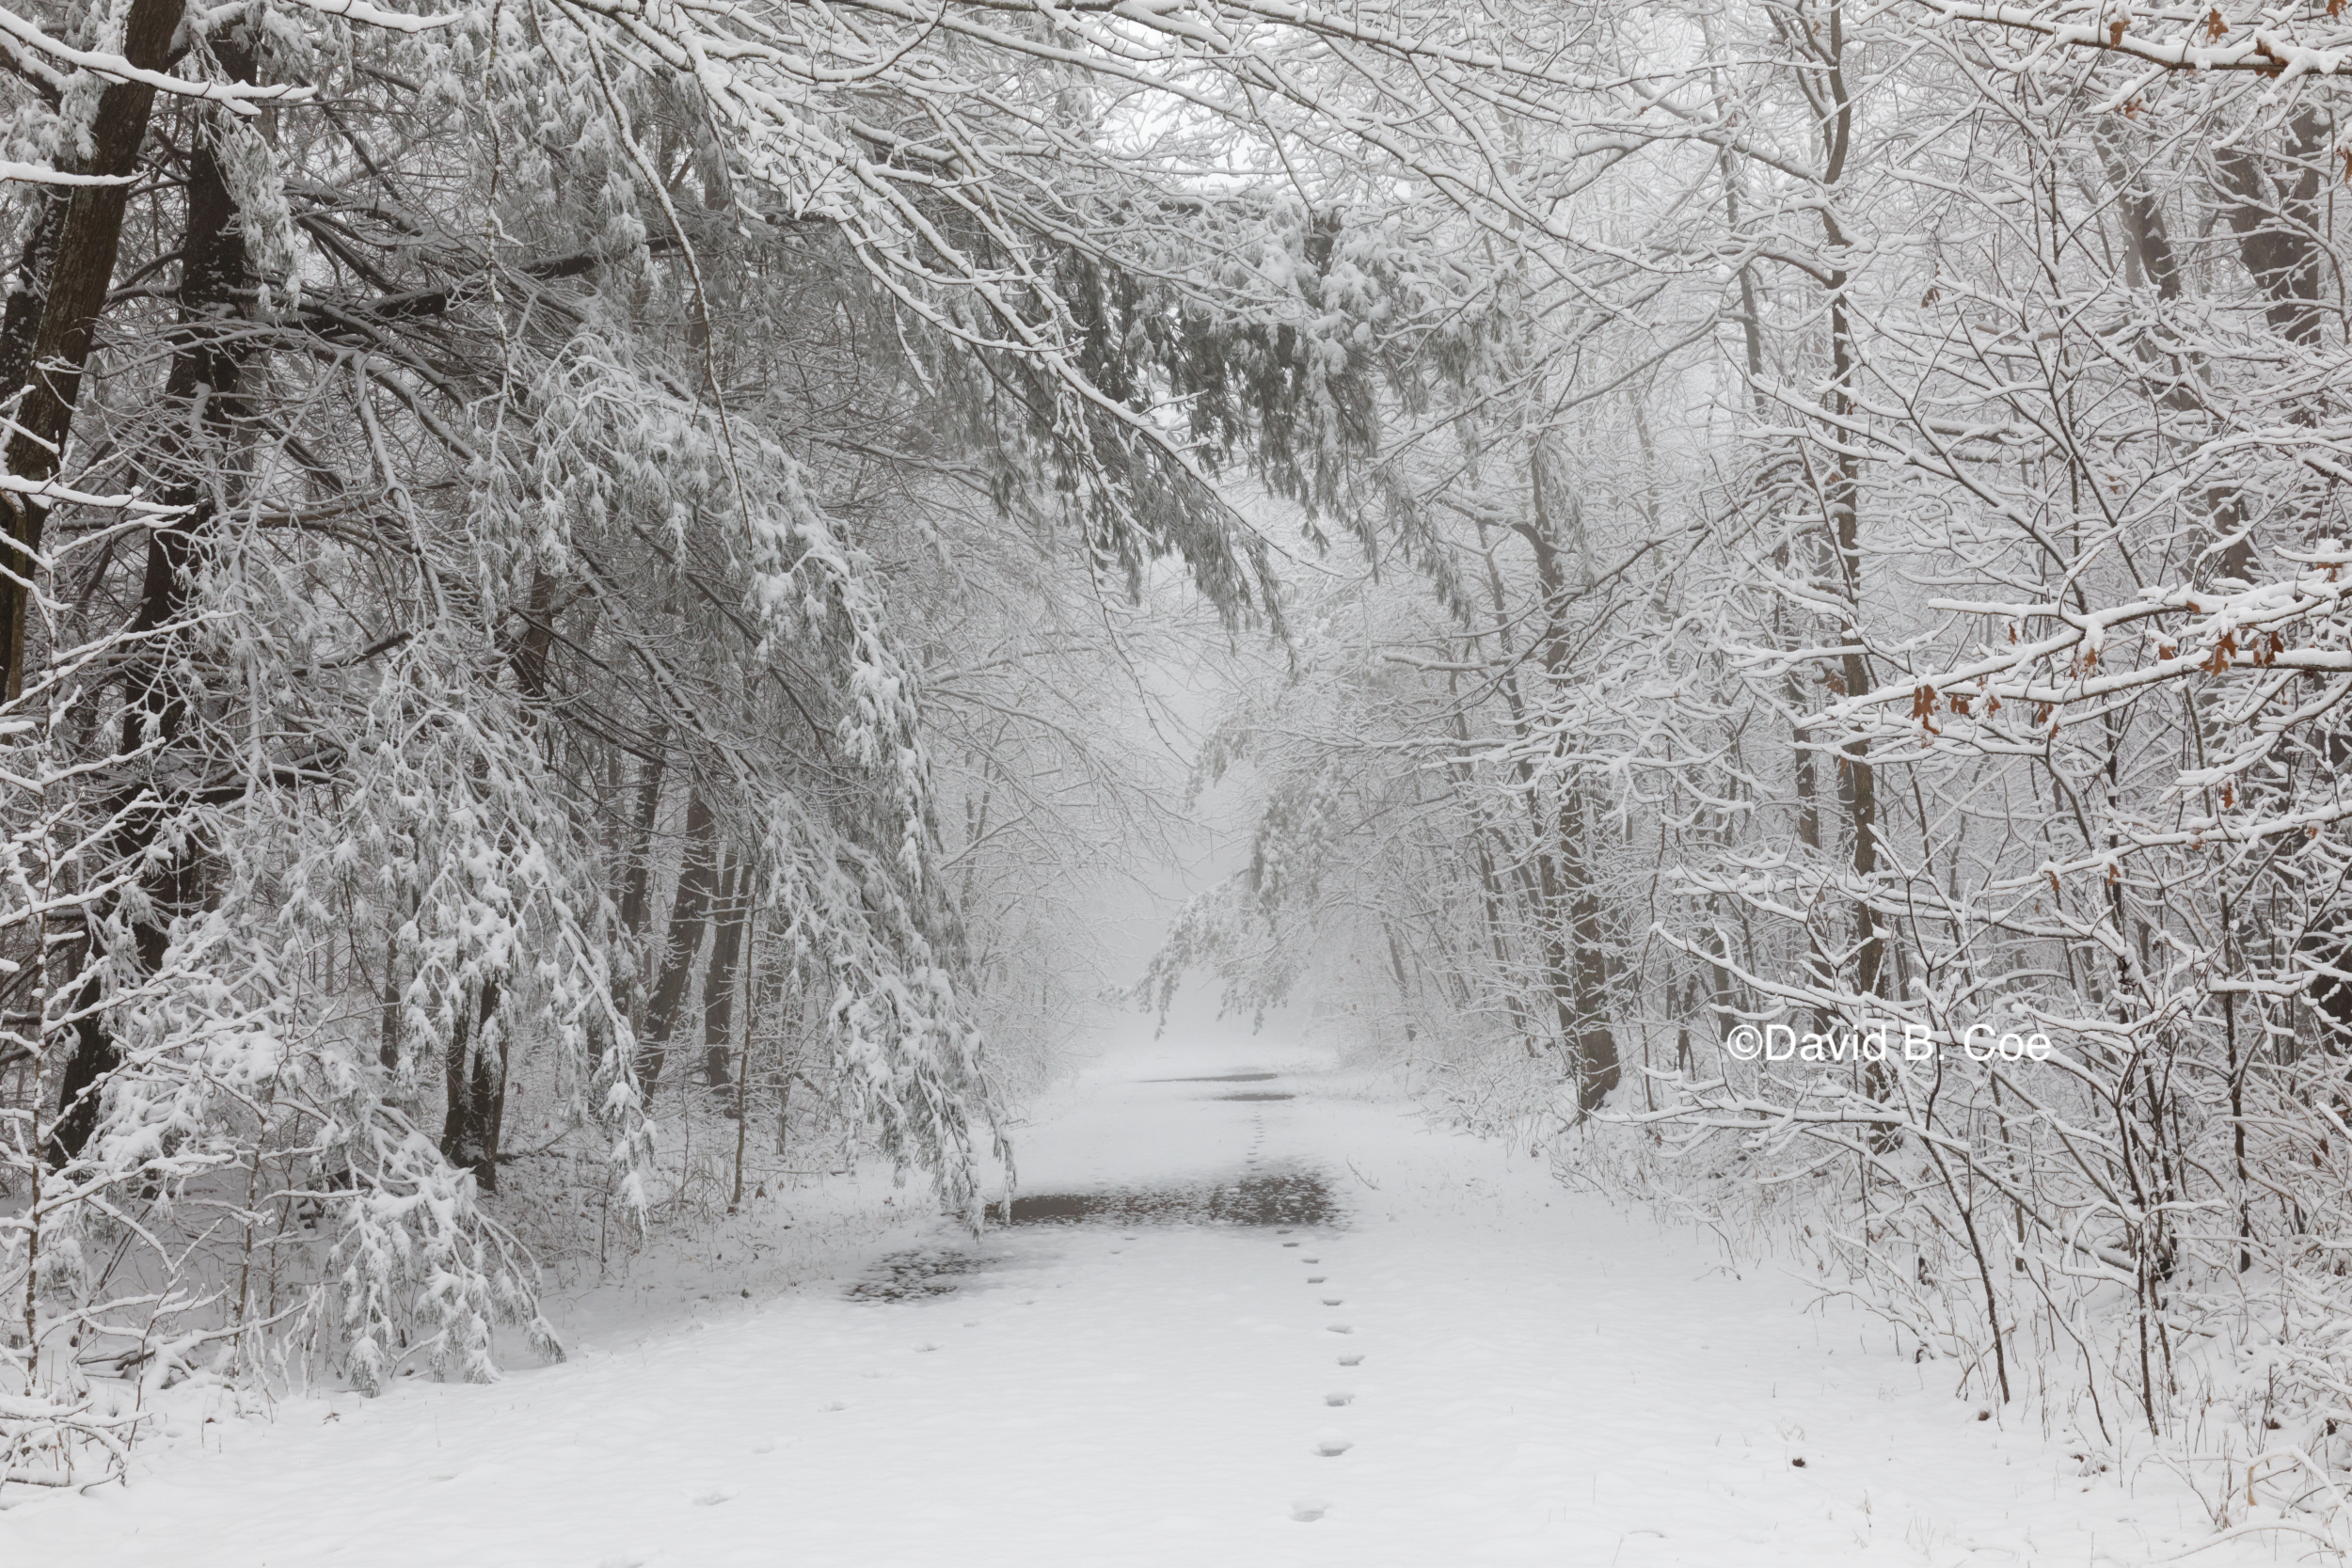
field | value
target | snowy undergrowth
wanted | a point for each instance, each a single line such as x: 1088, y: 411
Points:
x: 817, y: 1214
x: 2235, y: 1398
x: 736, y: 1211
x: 803, y: 1230
x: 2231, y: 1416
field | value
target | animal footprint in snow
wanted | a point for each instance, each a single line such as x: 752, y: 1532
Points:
x: 1351, y: 1361
x: 1331, y: 1444
x: 1339, y: 1399
x: 838, y: 1404
x: 1290, y: 1244
x: 1332, y: 1301
x: 920, y: 1349
x: 1316, y: 1278
x: 1341, y: 1328
x: 1307, y: 1512
x: 712, y: 1499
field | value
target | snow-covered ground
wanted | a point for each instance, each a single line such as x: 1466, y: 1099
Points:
x: 1472, y: 1366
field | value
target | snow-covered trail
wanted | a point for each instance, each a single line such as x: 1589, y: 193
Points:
x: 1470, y: 1366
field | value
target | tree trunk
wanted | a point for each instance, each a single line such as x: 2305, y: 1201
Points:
x: 636, y: 893
x: 474, y: 1076
x: 688, y: 912
x: 1581, y: 970
x: 2277, y: 223
x: 1598, y: 1066
x: 207, y: 367
x: 79, y: 272
x: 1490, y: 881
x: 719, y: 980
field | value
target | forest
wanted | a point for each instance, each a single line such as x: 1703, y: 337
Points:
x: 597, y: 595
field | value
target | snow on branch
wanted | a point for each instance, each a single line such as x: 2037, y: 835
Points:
x: 2178, y: 37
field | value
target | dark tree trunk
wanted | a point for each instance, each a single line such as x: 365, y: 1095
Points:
x: 688, y: 912
x: 86, y: 1069
x: 474, y: 1067
x: 636, y: 893
x: 79, y: 272
x: 207, y: 367
x: 1575, y: 952
x: 726, y: 949
x: 2277, y: 223
x: 387, y: 1042
x: 534, y: 648
x: 474, y: 1076
x: 29, y: 288
x: 1598, y: 1066
x: 1548, y: 885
